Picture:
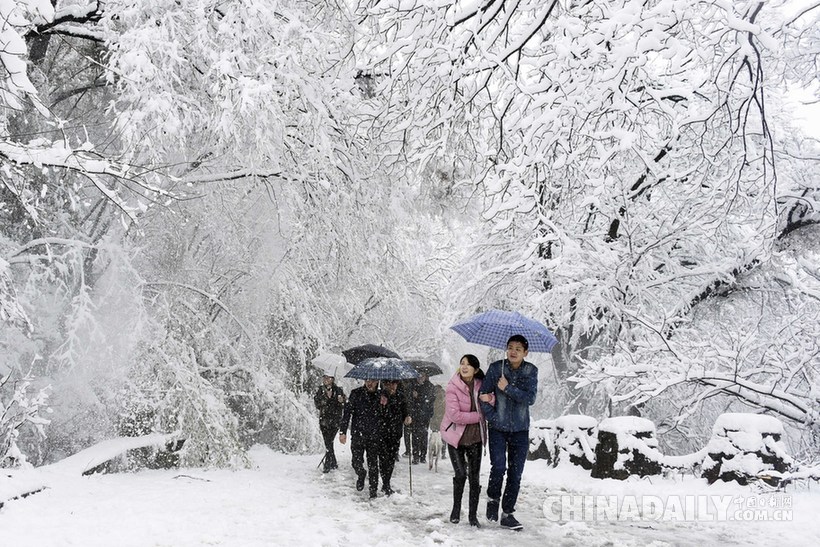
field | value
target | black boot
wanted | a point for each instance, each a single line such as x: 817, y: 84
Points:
x: 492, y: 509
x: 388, y: 491
x: 475, y: 493
x: 458, y: 491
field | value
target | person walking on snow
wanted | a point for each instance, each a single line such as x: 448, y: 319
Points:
x: 420, y: 402
x: 362, y: 415
x: 508, y: 391
x: 464, y: 430
x: 330, y: 401
x: 392, y: 415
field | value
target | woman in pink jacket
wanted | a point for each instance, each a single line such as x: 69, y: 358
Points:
x: 465, y: 432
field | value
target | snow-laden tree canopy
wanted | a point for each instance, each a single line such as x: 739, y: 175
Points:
x: 197, y: 197
x: 199, y: 215
x: 634, y: 159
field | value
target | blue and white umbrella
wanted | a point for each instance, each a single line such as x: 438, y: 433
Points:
x: 383, y: 368
x: 494, y: 327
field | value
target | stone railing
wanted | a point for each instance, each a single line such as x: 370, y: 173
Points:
x: 743, y: 448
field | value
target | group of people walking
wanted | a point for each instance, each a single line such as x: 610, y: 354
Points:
x: 376, y: 416
x: 480, y: 409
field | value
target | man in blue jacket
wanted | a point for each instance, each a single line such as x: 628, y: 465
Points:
x: 509, y: 388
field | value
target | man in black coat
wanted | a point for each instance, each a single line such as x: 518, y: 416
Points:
x: 420, y: 402
x: 393, y: 415
x: 362, y: 415
x: 330, y: 401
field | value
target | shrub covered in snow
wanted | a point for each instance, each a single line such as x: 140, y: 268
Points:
x: 20, y: 408
x: 746, y: 447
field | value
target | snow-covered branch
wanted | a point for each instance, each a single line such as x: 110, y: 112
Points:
x: 57, y: 154
x: 775, y: 400
x: 87, y: 460
x: 26, y: 482
x: 86, y: 163
x: 234, y: 175
x: 210, y: 297
x: 74, y: 21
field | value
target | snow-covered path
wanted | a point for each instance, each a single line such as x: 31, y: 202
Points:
x: 285, y: 500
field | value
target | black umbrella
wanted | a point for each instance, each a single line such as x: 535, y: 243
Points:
x: 382, y: 368
x: 359, y: 353
x: 426, y: 367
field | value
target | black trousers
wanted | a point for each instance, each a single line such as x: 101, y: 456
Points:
x: 329, y: 435
x: 466, y: 462
x: 361, y: 448
x: 387, y: 459
x: 418, y: 432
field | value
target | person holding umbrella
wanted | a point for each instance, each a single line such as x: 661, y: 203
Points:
x: 362, y: 415
x: 330, y: 401
x: 420, y: 401
x: 392, y: 415
x: 508, y: 390
x: 369, y: 422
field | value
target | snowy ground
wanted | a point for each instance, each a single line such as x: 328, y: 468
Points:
x: 285, y: 500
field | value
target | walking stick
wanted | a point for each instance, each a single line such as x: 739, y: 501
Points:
x: 410, y: 462
x: 321, y: 461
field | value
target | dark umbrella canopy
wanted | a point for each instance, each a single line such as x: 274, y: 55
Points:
x: 383, y: 368
x: 359, y: 353
x: 493, y: 328
x: 426, y: 367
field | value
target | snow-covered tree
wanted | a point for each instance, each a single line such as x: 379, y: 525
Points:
x: 197, y: 269
x: 633, y: 159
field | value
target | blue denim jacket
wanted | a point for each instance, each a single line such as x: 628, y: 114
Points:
x: 511, y: 412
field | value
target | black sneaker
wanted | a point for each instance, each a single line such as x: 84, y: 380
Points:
x: 387, y: 491
x: 510, y: 522
x: 372, y: 493
x: 360, y: 482
x: 492, y: 509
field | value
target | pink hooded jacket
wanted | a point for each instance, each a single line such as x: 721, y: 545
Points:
x: 457, y: 412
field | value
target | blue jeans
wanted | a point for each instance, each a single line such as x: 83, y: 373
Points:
x: 508, y: 452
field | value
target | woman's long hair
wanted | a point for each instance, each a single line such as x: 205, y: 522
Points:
x: 473, y: 361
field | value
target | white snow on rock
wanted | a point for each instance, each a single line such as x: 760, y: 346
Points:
x: 629, y: 425
x: 753, y: 423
